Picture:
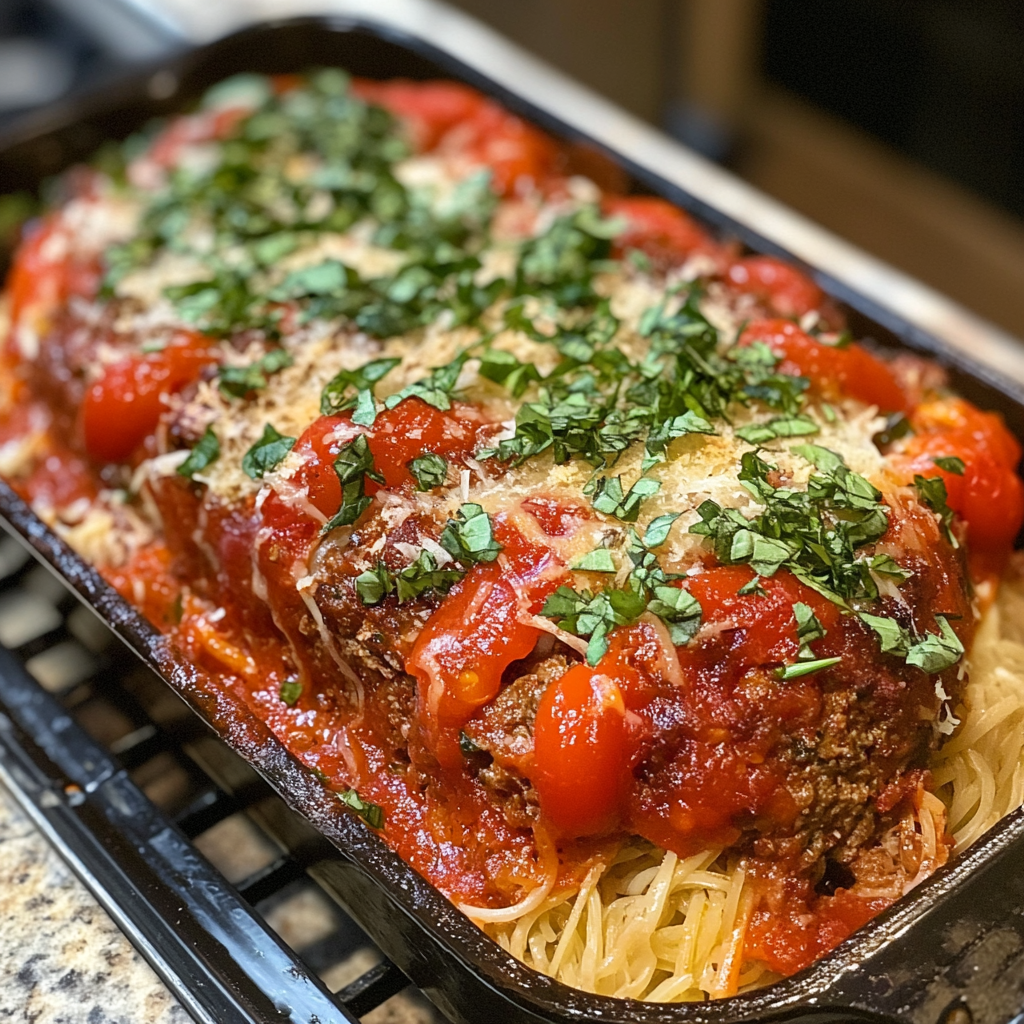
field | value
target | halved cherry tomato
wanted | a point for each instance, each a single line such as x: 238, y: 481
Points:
x: 557, y: 518
x: 657, y: 228
x: 459, y: 120
x: 766, y: 623
x: 46, y: 271
x: 475, y: 634
x: 430, y: 109
x: 124, y: 406
x: 989, y: 496
x: 833, y: 372
x: 788, y: 291
x: 580, y: 752
x: 397, y: 437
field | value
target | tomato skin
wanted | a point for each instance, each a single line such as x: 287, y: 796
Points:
x: 788, y: 291
x: 989, y: 496
x: 397, y: 437
x: 430, y: 109
x: 557, y: 518
x: 46, y: 272
x: 766, y: 623
x: 452, y: 118
x: 580, y: 753
x: 833, y: 372
x: 475, y: 634
x: 659, y: 229
x: 123, y: 407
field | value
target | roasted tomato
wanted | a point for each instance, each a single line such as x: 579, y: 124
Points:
x: 397, y: 436
x: 580, y: 752
x: 480, y: 628
x: 989, y: 495
x: 123, y: 407
x: 788, y: 291
x: 832, y: 371
x: 659, y: 229
x: 455, y: 119
x: 47, y: 272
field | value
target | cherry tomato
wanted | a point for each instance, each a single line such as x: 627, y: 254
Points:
x: 123, y: 407
x: 833, y: 372
x: 788, y: 291
x: 557, y: 518
x: 657, y: 228
x: 580, y: 752
x: 46, y: 271
x: 475, y: 634
x: 989, y: 495
x: 766, y: 623
x: 455, y: 119
x: 430, y: 109
x: 397, y: 437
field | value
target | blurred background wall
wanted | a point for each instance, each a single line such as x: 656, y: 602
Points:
x: 899, y: 124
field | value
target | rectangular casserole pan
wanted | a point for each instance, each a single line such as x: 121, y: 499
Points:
x: 952, y: 951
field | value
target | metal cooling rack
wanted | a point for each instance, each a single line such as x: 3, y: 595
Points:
x: 170, y: 830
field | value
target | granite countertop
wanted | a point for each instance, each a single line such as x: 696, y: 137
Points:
x: 62, y: 959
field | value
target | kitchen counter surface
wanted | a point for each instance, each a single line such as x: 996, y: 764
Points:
x: 62, y: 959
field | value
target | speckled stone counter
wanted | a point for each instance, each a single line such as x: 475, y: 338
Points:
x: 62, y: 959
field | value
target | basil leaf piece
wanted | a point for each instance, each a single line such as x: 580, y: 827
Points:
x: 936, y: 653
x: 344, y: 389
x: 932, y: 492
x: 658, y: 530
x: 469, y: 537
x: 429, y: 471
x: 291, y: 690
x: 420, y: 577
x: 609, y: 497
x: 353, y: 464
x: 239, y: 381
x: 951, y: 464
x: 267, y: 453
x: 205, y: 452
x: 804, y: 668
x: 598, y: 560
x: 372, y: 814
x: 892, y: 637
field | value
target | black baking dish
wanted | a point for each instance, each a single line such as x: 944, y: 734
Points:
x: 952, y: 949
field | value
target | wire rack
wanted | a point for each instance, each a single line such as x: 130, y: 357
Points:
x: 178, y: 838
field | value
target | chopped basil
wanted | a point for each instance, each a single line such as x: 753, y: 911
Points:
x: 468, y: 745
x: 239, y: 381
x: 594, y: 616
x: 421, y: 577
x: 951, y: 464
x: 429, y: 471
x: 372, y: 814
x: 932, y: 492
x: 896, y: 426
x: 932, y: 653
x: 504, y: 368
x: 291, y: 690
x: 205, y: 452
x: 781, y: 426
x: 609, y: 498
x: 469, y: 536
x: 804, y: 668
x: 267, y: 453
x: 353, y: 465
x: 345, y: 388
x: 598, y: 560
x: 816, y: 533
x: 435, y: 389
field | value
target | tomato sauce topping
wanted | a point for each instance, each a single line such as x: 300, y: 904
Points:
x: 122, y: 408
x: 833, y: 370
